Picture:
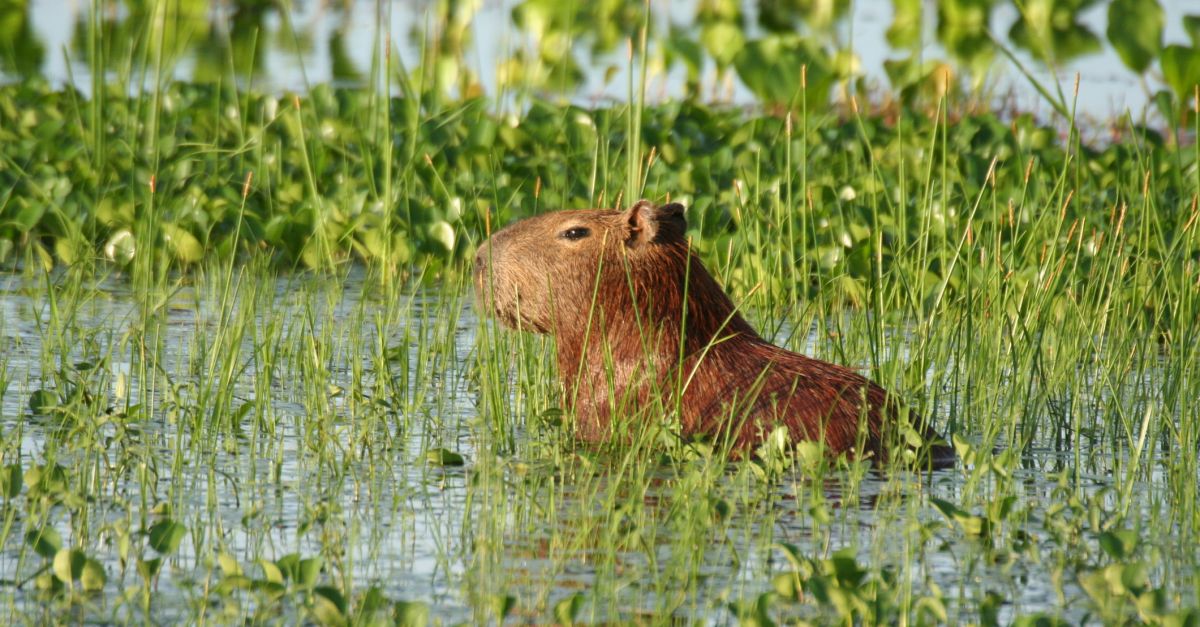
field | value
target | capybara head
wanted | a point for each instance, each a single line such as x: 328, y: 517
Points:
x: 546, y: 271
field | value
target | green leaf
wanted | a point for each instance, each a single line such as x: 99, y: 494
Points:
x: 308, y: 570
x: 723, y: 40
x: 182, y: 244
x: 371, y: 601
x: 229, y: 565
x: 329, y: 606
x: 788, y: 586
x: 771, y: 67
x: 567, y: 609
x: 120, y: 247
x: 45, y: 541
x: 503, y: 604
x: 42, y: 402
x: 1181, y: 69
x: 68, y: 565
x: 28, y: 215
x: 442, y: 233
x: 11, y: 481
x: 166, y: 535
x: 1119, y: 544
x: 93, y: 576
x: 410, y: 614
x: 444, y: 457
x: 289, y: 565
x: 149, y: 568
x: 271, y: 572
x: 1135, y: 29
x: 1191, y: 24
x: 905, y: 30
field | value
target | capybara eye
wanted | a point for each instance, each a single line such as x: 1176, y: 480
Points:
x: 576, y: 233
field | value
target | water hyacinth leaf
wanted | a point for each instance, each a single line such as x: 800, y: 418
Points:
x: 289, y: 565
x: 308, y: 571
x: 788, y: 586
x: 1134, y: 577
x: 148, y: 569
x: 444, y: 457
x: 229, y: 565
x: 315, y: 252
x: 772, y: 66
x: 182, y: 244
x: 46, y: 481
x: 47, y: 582
x: 27, y: 215
x: 329, y: 606
x: 503, y: 604
x: 552, y: 416
x: 121, y: 247
x: 231, y: 583
x: 166, y: 535
x: 1119, y: 544
x: 1135, y: 29
x: 723, y: 40
x: 962, y: 28
x: 905, y: 30
x: 1191, y: 24
x: 45, y: 541
x: 1051, y: 31
x: 69, y: 250
x: 756, y: 613
x: 845, y: 567
x: 1181, y: 68
x: 42, y: 402
x: 410, y: 614
x: 373, y: 600
x: 11, y: 481
x: 566, y: 610
x: 442, y: 233
x: 1154, y: 607
x: 271, y: 572
x: 68, y: 565
x: 93, y: 576
x: 971, y: 525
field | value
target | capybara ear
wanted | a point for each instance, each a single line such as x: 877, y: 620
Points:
x: 650, y: 223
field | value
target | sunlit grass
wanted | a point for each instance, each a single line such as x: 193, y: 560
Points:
x: 281, y: 405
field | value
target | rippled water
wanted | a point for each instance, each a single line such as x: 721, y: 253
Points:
x: 351, y: 483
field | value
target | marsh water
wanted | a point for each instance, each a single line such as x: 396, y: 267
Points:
x: 333, y: 459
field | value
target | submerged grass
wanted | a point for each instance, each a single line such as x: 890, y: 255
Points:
x: 236, y: 443
x: 196, y: 427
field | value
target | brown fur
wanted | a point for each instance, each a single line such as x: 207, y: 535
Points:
x: 614, y: 300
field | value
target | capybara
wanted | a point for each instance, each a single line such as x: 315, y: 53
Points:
x: 639, y: 322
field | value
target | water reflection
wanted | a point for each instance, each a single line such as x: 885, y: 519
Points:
x: 344, y: 476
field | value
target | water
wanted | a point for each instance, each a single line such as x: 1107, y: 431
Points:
x: 318, y: 42
x: 342, y: 474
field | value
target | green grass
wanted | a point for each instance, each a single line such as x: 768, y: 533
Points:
x: 255, y: 390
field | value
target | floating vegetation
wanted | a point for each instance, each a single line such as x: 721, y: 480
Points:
x: 241, y: 379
